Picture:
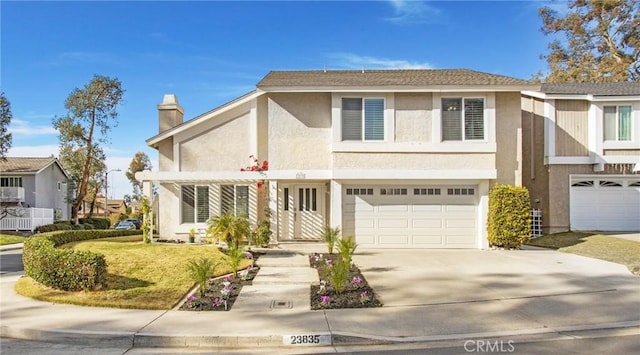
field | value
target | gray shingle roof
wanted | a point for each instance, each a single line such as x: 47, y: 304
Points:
x: 626, y: 88
x: 392, y: 77
x: 24, y: 165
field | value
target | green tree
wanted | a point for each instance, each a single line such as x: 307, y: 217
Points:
x: 601, y: 41
x: 139, y: 162
x: 92, y: 111
x: 5, y: 120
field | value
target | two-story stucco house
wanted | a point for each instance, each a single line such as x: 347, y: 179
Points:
x: 395, y: 158
x: 29, y: 182
x: 582, y: 155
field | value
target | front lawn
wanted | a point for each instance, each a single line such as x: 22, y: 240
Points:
x: 6, y: 239
x: 143, y: 276
x: 617, y: 250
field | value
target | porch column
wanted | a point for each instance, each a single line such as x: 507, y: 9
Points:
x: 335, y: 218
x: 273, y: 205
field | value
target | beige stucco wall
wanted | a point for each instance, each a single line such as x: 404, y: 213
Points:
x: 168, y: 210
x: 299, y: 131
x: 165, y: 155
x: 413, y: 117
x: 222, y: 146
x: 508, y: 131
x: 435, y: 161
x: 535, y: 175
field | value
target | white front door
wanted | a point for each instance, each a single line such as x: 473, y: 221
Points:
x: 302, y: 212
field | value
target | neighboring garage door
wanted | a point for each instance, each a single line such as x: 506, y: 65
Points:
x: 411, y: 216
x: 605, y: 203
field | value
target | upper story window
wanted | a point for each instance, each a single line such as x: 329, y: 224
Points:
x: 11, y: 182
x: 617, y: 123
x: 195, y: 204
x: 462, y: 119
x: 362, y: 119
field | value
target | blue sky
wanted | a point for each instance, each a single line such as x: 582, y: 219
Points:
x: 210, y: 52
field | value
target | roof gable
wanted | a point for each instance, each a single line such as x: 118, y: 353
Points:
x: 28, y: 165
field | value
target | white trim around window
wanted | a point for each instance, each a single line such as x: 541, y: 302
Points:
x: 370, y: 131
x: 632, y: 131
x: 488, y: 118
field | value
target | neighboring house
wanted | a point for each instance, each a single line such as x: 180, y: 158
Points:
x: 35, y: 183
x: 114, y: 207
x: 582, y: 155
x: 396, y: 158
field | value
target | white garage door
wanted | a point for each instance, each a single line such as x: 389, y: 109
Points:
x: 605, y: 203
x: 411, y: 216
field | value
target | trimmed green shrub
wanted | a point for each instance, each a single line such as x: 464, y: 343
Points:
x: 95, y: 222
x: 66, y: 269
x: 509, y: 217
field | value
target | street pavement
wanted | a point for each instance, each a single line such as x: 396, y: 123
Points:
x: 429, y: 296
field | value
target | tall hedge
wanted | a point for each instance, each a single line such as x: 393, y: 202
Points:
x: 509, y: 220
x: 66, y: 269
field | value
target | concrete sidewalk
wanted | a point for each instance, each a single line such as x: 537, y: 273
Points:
x: 428, y: 295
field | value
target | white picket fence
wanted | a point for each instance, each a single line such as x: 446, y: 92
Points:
x: 25, y: 219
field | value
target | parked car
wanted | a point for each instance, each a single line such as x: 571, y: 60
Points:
x: 127, y: 225
x: 135, y: 221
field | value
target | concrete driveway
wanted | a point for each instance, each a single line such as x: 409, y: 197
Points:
x: 479, y: 290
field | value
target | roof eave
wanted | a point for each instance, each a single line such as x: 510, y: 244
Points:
x: 402, y: 88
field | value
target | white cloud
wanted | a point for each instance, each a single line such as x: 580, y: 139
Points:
x: 23, y: 127
x: 354, y: 61
x: 412, y: 12
x: 34, y: 151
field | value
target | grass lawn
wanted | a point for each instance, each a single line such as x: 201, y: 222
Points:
x: 6, y: 239
x: 143, y: 276
x: 617, y: 250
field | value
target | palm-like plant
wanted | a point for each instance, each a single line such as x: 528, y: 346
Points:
x: 330, y: 236
x: 230, y: 228
x: 200, y: 271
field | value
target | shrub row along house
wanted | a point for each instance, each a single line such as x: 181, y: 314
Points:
x: 400, y: 158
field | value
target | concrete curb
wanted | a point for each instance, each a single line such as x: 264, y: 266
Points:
x: 150, y: 340
x: 16, y: 246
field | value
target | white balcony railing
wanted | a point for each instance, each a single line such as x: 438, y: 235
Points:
x: 24, y: 219
x: 12, y: 194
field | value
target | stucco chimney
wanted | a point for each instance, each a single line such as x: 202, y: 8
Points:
x: 169, y: 113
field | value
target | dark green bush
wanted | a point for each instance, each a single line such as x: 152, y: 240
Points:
x: 509, y: 217
x: 66, y: 269
x: 96, y: 222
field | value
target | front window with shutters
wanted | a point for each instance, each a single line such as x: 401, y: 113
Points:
x: 617, y: 123
x: 463, y: 119
x: 195, y: 204
x: 362, y: 119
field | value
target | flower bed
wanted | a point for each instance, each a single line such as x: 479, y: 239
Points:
x: 356, y: 292
x: 221, y: 292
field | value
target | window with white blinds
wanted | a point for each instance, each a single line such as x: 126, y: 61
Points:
x: 617, y: 123
x: 362, y: 119
x: 462, y: 119
x: 235, y: 199
x: 195, y: 204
